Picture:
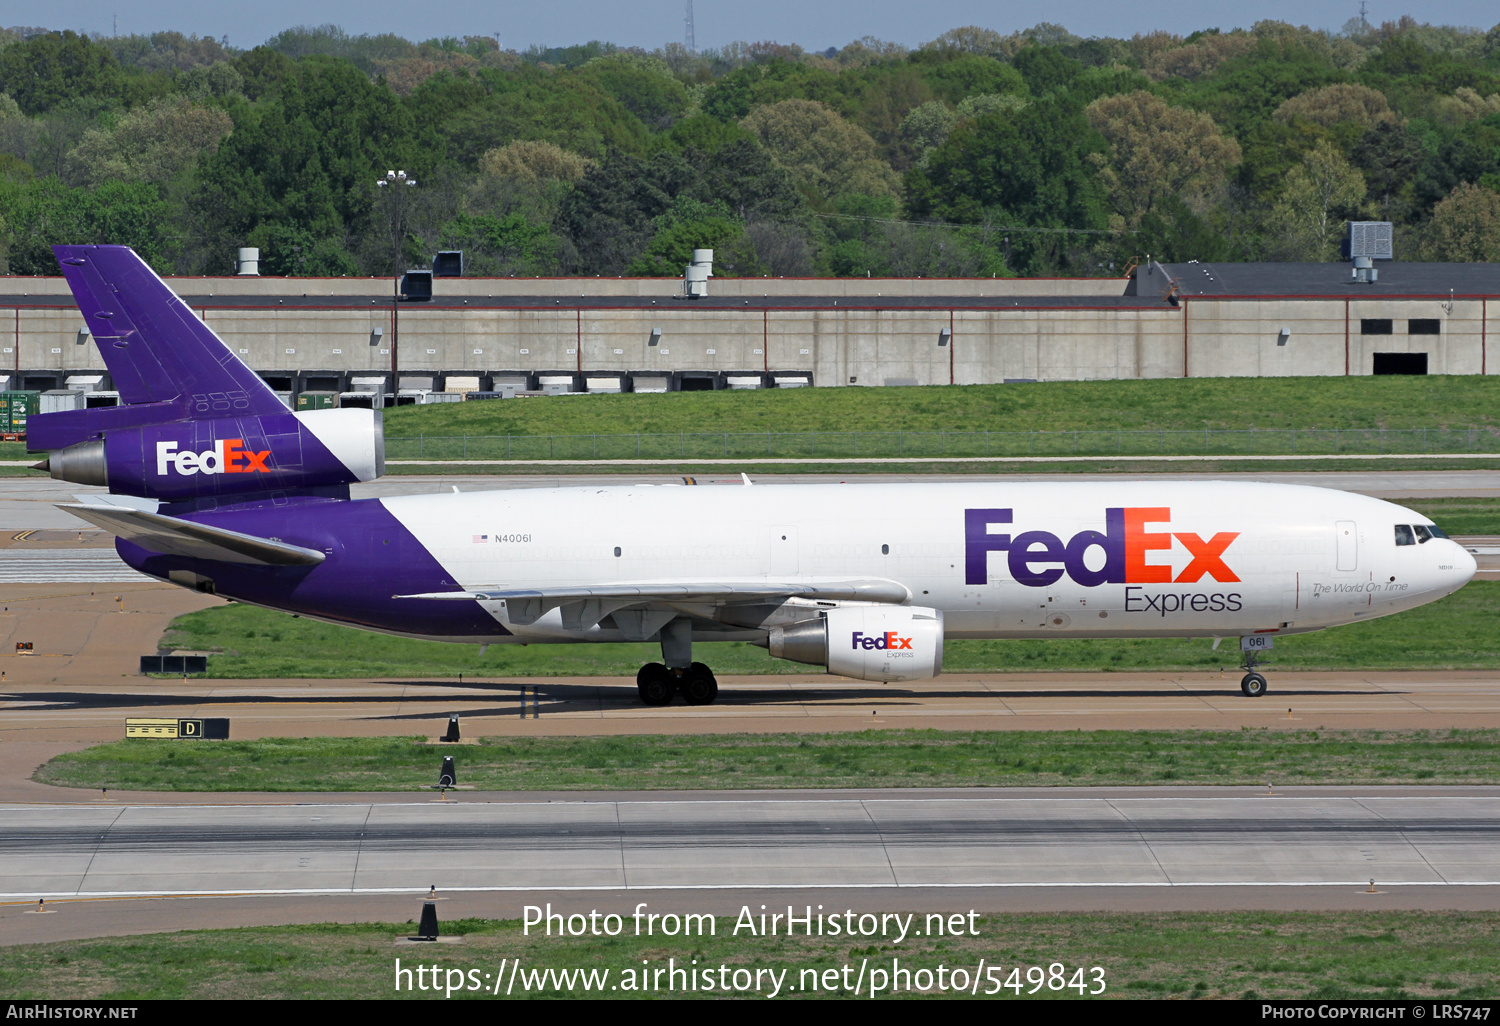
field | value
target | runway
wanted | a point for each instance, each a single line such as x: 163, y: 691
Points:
x: 819, y: 840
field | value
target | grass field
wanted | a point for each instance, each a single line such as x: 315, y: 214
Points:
x: 876, y: 758
x: 1213, y: 404
x: 1457, y: 632
x: 1166, y: 404
x: 1459, y: 515
x: 1243, y: 955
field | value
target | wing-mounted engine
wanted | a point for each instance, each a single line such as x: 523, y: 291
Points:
x: 885, y: 643
x: 229, y: 456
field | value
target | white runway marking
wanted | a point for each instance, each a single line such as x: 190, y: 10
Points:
x: 66, y: 566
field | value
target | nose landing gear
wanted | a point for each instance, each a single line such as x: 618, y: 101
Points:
x: 1252, y: 683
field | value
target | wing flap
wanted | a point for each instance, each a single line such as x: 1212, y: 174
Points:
x: 580, y: 604
x: 177, y: 537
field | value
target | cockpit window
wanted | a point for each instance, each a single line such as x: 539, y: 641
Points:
x: 1404, y: 535
x: 1427, y: 532
x: 1437, y: 532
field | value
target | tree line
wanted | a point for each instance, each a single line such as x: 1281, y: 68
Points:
x: 975, y: 154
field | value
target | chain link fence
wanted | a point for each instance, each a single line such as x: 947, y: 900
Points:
x: 896, y: 444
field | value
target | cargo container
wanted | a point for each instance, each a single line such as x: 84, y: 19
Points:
x: 15, y: 407
x: 60, y: 400
x: 317, y: 400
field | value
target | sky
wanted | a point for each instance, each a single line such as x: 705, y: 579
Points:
x: 652, y: 23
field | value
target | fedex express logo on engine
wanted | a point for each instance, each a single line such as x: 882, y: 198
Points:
x: 1130, y: 535
x: 889, y: 641
x: 228, y: 456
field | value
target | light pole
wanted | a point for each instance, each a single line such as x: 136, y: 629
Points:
x: 392, y: 185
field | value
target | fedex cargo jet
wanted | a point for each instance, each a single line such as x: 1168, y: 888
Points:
x: 215, y: 485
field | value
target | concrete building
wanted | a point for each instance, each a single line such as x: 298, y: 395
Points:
x: 594, y: 334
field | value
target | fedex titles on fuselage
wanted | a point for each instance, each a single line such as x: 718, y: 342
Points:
x: 1038, y: 559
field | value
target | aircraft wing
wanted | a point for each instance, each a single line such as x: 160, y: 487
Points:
x: 184, y: 538
x: 585, y: 606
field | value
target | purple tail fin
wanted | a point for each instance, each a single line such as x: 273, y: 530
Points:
x: 156, y: 349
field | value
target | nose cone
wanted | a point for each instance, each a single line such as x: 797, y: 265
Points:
x: 1453, y: 568
x: 1466, y: 565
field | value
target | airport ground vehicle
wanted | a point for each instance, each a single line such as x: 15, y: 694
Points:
x: 216, y: 485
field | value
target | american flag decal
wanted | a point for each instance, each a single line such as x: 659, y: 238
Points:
x: 481, y: 538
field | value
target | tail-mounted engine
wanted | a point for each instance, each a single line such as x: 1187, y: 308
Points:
x: 885, y: 643
x: 230, y: 455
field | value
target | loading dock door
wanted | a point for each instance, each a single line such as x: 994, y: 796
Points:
x: 1400, y: 363
x: 1348, y: 545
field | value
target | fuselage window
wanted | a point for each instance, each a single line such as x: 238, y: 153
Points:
x: 1404, y: 535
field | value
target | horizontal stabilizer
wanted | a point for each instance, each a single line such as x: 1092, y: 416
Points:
x: 177, y: 537
x: 127, y: 501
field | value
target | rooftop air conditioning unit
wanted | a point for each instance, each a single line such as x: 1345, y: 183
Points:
x: 1370, y: 241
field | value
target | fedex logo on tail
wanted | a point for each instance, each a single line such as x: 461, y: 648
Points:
x: 228, y: 456
x: 1131, y: 534
x: 889, y: 641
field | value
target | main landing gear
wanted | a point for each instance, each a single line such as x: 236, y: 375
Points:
x: 1252, y: 683
x: 657, y: 683
x: 677, y: 673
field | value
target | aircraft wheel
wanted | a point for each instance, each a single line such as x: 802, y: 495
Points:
x: 654, y: 684
x: 699, y: 686
x: 1253, y: 685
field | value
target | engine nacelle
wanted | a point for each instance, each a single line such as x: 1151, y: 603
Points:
x: 231, y: 455
x: 884, y: 643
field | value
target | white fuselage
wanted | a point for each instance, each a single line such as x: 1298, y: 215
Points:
x: 1073, y: 559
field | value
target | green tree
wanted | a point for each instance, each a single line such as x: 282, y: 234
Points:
x: 644, y: 85
x: 1337, y: 104
x: 1030, y: 166
x: 48, y: 69
x: 506, y: 245
x: 308, y: 156
x: 689, y: 225
x: 1046, y: 70
x: 154, y: 143
x: 825, y: 155
x: 45, y: 212
x: 1465, y: 227
x: 1309, y: 214
x: 289, y: 250
x: 534, y: 162
x: 610, y: 215
x: 1157, y: 151
x: 747, y: 181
